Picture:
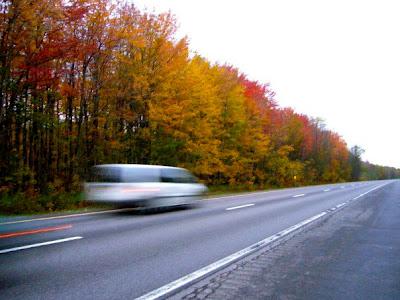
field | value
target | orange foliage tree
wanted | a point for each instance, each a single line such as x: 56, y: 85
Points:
x: 85, y: 82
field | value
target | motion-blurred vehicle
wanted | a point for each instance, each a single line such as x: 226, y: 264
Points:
x: 144, y: 186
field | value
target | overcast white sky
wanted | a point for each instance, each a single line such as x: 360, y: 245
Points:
x: 338, y: 60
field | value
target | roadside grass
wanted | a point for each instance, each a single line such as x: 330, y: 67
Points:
x: 226, y: 190
x: 20, y: 204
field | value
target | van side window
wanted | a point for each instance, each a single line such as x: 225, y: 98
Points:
x: 177, y: 176
x: 103, y: 174
x: 141, y: 175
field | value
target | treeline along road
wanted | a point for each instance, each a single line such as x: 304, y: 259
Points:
x: 89, y: 82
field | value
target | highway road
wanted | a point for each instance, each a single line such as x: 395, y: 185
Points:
x: 123, y: 254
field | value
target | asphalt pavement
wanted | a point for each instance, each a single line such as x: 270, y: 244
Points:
x: 124, y: 254
x: 352, y: 253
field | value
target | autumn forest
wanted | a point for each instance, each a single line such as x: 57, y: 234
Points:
x: 86, y: 82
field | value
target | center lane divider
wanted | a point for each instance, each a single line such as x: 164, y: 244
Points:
x: 240, y: 206
x: 34, y: 231
x: 299, y: 195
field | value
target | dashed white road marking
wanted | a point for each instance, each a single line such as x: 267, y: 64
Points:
x: 326, y: 190
x: 299, y: 195
x: 40, y: 244
x: 240, y: 206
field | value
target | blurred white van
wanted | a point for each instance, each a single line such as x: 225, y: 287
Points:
x: 147, y: 186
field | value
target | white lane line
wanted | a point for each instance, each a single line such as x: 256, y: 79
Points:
x: 171, y: 287
x: 327, y: 190
x: 69, y: 216
x: 340, y: 205
x: 299, y: 195
x: 240, y: 195
x: 342, y: 187
x: 373, y: 189
x: 40, y: 244
x: 240, y: 206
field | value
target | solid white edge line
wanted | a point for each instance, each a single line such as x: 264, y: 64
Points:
x: 373, y: 189
x: 40, y: 244
x: 299, y: 195
x: 240, y: 206
x: 170, y: 287
x: 68, y: 216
